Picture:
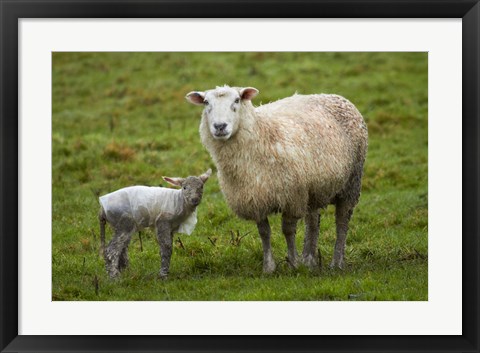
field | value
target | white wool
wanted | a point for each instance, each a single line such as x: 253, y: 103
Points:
x: 188, y: 225
x: 145, y: 204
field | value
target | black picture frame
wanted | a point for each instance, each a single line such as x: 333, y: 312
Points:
x: 12, y: 11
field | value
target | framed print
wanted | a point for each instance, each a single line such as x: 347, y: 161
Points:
x: 133, y: 220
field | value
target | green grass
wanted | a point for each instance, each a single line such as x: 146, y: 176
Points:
x: 120, y: 119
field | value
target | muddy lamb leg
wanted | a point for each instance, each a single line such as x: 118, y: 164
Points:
x: 165, y: 240
x: 121, y: 239
x: 123, y: 261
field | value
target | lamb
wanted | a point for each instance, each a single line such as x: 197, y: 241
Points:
x: 137, y: 207
x: 294, y: 156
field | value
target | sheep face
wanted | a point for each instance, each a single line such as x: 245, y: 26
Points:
x: 223, y: 108
x: 192, y: 187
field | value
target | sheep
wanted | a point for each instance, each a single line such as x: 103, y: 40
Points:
x: 137, y: 207
x: 294, y: 156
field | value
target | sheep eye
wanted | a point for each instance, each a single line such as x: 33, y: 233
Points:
x: 184, y: 188
x: 205, y: 102
x: 237, y: 100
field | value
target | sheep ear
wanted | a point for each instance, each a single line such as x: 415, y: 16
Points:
x: 248, y: 93
x: 196, y: 97
x: 204, y: 177
x: 174, y: 181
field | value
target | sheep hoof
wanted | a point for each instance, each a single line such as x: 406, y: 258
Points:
x: 310, y: 262
x: 269, y: 267
x: 293, y: 263
x: 337, y: 264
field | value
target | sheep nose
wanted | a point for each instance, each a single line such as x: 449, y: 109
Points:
x: 220, y: 127
x: 195, y: 201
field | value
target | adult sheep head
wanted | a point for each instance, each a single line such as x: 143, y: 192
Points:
x: 223, y: 108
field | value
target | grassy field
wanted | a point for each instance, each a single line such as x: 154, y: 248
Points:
x: 121, y: 119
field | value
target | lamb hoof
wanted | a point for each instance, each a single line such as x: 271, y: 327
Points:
x: 113, y: 274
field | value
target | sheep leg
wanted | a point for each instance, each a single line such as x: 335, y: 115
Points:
x: 289, y: 229
x: 343, y: 213
x: 165, y: 239
x: 113, y: 262
x: 312, y: 229
x: 102, y: 218
x: 123, y: 261
x: 264, y: 231
x: 113, y: 253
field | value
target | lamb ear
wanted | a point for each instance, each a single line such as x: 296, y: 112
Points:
x: 174, y: 181
x: 248, y: 93
x: 195, y: 97
x: 204, y: 177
